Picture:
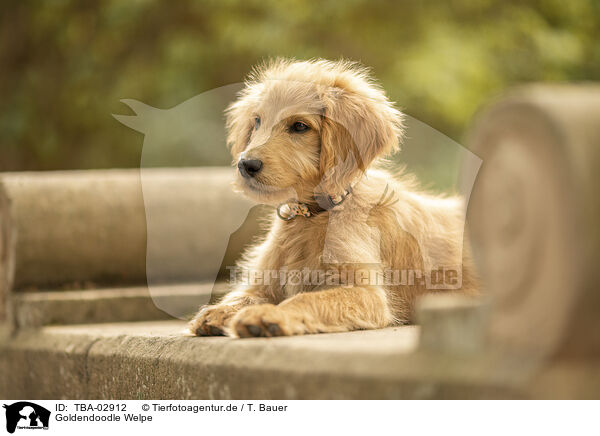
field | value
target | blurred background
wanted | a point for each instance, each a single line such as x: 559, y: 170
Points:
x: 65, y: 64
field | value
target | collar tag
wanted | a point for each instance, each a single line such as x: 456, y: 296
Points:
x: 289, y: 210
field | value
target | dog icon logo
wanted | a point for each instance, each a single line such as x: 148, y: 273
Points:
x: 26, y: 415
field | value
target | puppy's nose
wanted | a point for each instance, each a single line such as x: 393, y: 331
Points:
x: 249, y: 167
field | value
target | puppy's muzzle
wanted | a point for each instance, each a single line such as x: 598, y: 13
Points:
x: 249, y: 167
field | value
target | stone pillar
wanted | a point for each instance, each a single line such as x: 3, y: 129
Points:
x: 534, y: 220
x: 7, y: 243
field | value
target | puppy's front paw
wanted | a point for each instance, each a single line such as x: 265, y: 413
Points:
x: 266, y: 320
x: 212, y: 320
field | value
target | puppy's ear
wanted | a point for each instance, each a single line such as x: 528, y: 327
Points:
x: 357, y: 128
x: 239, y: 123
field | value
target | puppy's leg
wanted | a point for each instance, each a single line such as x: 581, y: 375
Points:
x: 333, y: 310
x: 211, y: 320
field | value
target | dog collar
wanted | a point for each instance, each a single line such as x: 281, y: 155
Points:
x: 291, y: 209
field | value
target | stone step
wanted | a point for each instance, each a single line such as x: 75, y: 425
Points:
x: 147, y: 360
x: 111, y: 305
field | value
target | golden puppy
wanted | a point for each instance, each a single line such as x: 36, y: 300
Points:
x: 350, y: 247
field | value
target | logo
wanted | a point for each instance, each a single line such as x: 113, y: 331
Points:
x: 26, y: 415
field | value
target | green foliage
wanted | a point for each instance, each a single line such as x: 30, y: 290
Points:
x: 65, y: 64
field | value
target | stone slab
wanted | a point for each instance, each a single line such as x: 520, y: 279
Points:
x: 155, y: 360
x: 111, y: 305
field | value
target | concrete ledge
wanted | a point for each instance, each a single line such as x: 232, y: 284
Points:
x: 153, y: 360
x: 111, y: 305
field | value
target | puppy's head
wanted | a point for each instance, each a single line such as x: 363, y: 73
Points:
x: 305, y: 128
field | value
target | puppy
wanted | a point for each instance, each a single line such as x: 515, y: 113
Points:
x: 350, y: 247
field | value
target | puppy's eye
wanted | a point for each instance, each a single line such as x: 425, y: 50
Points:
x: 299, y: 127
x: 256, y: 123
